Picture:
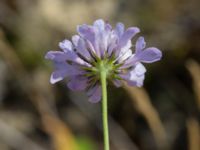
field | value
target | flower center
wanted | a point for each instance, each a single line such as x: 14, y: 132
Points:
x: 105, y: 66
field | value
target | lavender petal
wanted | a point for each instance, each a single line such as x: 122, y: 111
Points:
x: 101, y: 35
x: 77, y: 83
x: 99, y: 24
x: 88, y: 33
x: 149, y: 55
x: 94, y: 94
x: 66, y: 46
x: 117, y: 83
x: 136, y: 81
x: 124, y: 56
x: 82, y: 49
x: 56, y: 56
x: 140, y: 44
x: 57, y: 75
x: 135, y: 77
x: 119, y: 29
x: 121, y: 52
x: 139, y: 69
x: 75, y: 39
x: 128, y: 35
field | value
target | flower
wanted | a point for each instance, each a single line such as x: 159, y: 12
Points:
x: 99, y: 46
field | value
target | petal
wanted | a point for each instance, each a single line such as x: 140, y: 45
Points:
x: 121, y: 52
x: 112, y: 43
x: 111, y: 48
x: 136, y: 81
x: 89, y: 33
x: 73, y: 70
x: 94, y: 94
x: 119, y: 29
x: 75, y: 39
x: 135, y: 77
x: 103, y: 43
x: 128, y: 35
x: 129, y: 62
x: 57, y: 75
x: 62, y: 70
x: 91, y: 47
x: 140, y: 44
x: 101, y: 35
x: 149, y: 55
x: 82, y: 49
x: 139, y: 69
x: 56, y: 56
x: 99, y: 24
x: 77, y: 83
x: 117, y: 83
x: 108, y: 27
x: 62, y: 57
x: 125, y: 56
x: 60, y: 65
x: 72, y: 56
x: 66, y: 45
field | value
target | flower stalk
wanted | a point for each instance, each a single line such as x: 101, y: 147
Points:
x: 103, y: 78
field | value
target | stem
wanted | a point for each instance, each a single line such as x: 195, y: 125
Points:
x: 104, y: 109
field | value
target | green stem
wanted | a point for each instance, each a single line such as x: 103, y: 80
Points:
x: 104, y: 109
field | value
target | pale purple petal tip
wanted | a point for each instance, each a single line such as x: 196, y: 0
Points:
x: 49, y: 55
x: 128, y: 35
x: 139, y: 69
x: 57, y: 75
x: 56, y: 56
x: 75, y: 40
x: 136, y: 81
x: 135, y: 77
x: 119, y: 29
x: 87, y: 32
x: 66, y: 45
x: 150, y: 55
x: 100, y: 24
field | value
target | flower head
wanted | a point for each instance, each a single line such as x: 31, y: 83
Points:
x: 98, y: 48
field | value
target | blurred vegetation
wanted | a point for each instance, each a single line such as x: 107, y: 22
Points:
x: 34, y: 115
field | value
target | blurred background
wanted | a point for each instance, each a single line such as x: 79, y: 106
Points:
x: 35, y: 115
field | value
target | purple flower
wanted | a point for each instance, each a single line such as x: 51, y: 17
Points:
x: 80, y: 60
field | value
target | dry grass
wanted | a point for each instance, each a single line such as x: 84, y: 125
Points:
x: 193, y: 130
x: 142, y: 103
x: 194, y: 69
